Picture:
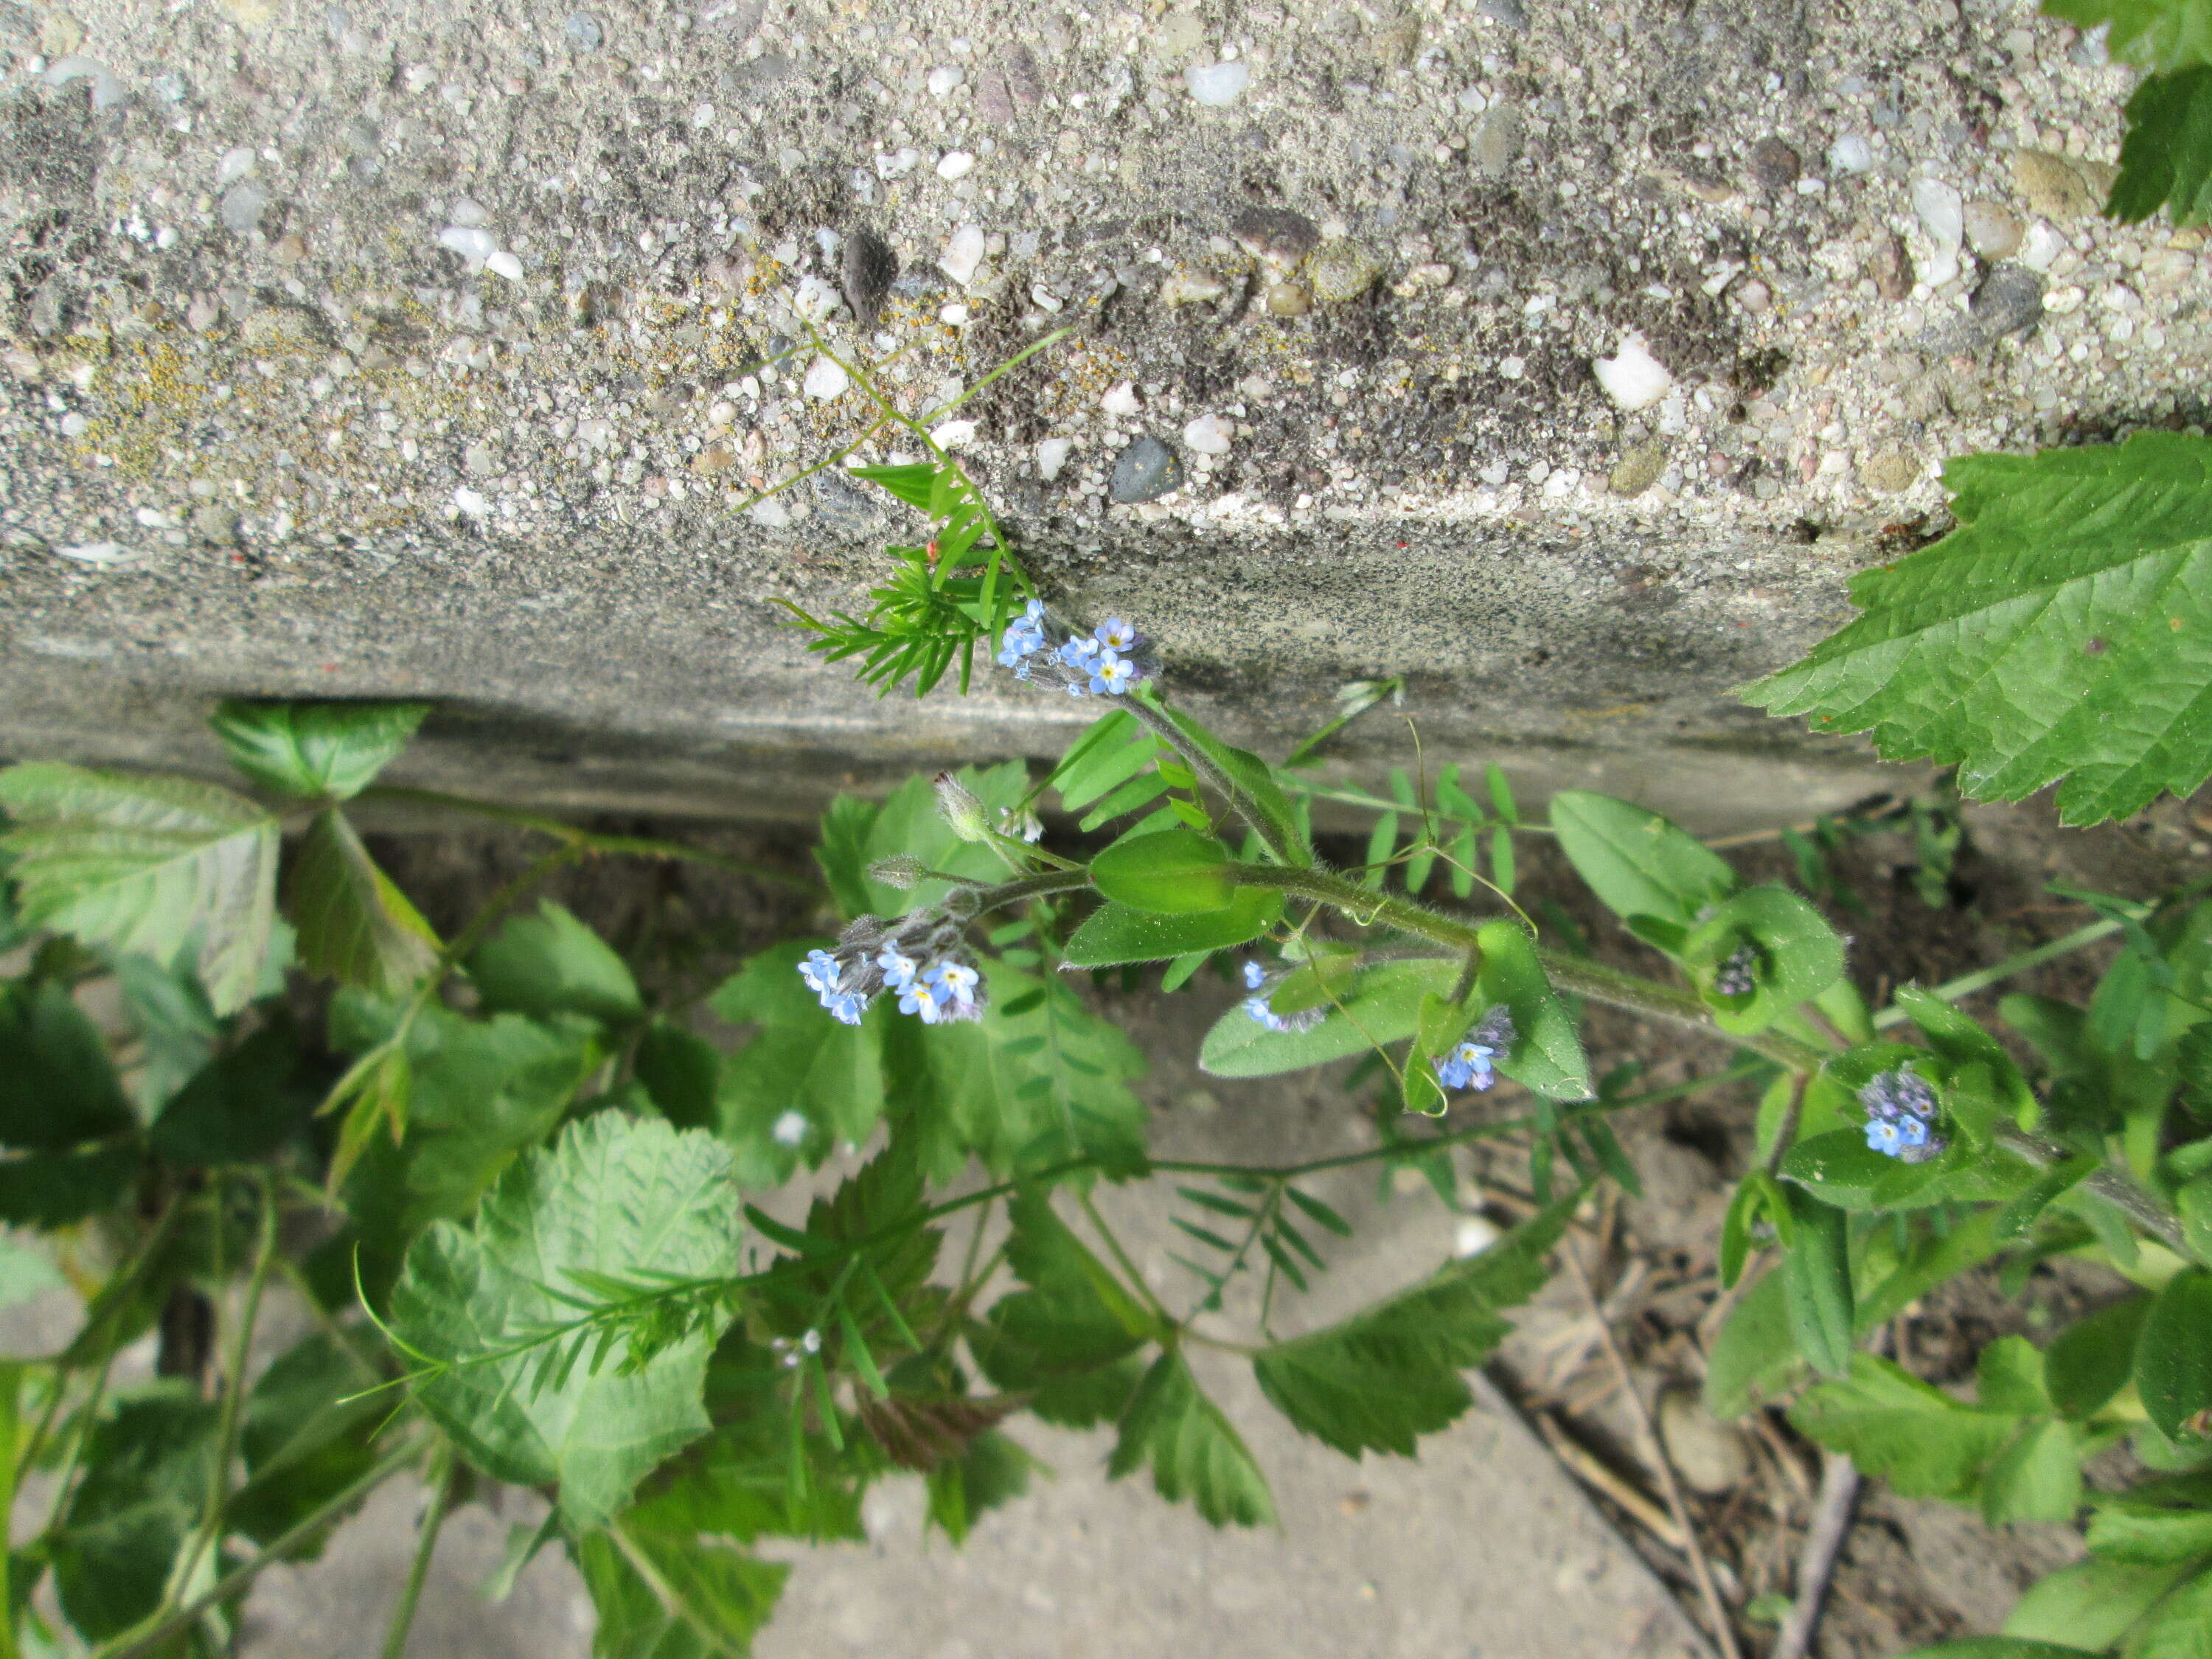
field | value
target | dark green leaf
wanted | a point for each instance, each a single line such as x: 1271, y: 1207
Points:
x: 145, y: 1482
x: 1384, y: 1377
x: 1754, y: 1357
x: 1382, y: 1006
x: 663, y: 1595
x: 2090, y: 1361
x: 993, y: 1471
x: 2158, y: 34
x: 1636, y: 862
x: 307, y: 1433
x: 551, y: 963
x: 2173, y: 1359
x: 315, y: 751
x: 2092, y: 1603
x: 2165, y: 161
x: 354, y: 925
x: 57, y: 1087
x: 1174, y: 872
x: 1816, y: 1276
x: 241, y: 1106
x: 2019, y: 647
x: 681, y: 1073
x: 1546, y: 1053
x: 53, y: 1189
x: 1113, y: 933
x: 147, y: 865
x: 1193, y: 1449
x: 612, y: 1197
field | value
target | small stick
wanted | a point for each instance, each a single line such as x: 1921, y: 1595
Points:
x: 1592, y: 1471
x: 1831, y: 1519
x: 1700, y: 1569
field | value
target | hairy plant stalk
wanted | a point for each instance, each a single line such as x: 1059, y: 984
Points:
x: 1155, y: 720
x: 444, y: 1476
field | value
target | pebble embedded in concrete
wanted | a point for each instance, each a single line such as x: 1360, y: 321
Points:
x: 1632, y: 376
x: 1145, y: 471
x: 962, y: 254
x: 1209, y: 434
x: 1217, y: 85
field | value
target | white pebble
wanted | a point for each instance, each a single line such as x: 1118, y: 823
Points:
x: 471, y: 502
x: 955, y: 314
x: 1209, y: 434
x: 2061, y: 301
x: 945, y: 80
x: 951, y: 434
x: 955, y: 164
x: 826, y: 380
x: 1850, y: 153
x: 816, y: 298
x: 1632, y: 376
x: 770, y: 515
x: 74, y: 424
x: 236, y: 163
x: 1120, y: 399
x: 503, y: 263
x: 1184, y: 288
x: 1045, y: 298
x: 962, y: 254
x: 1942, y: 214
x: 467, y: 211
x: 1217, y: 85
x: 721, y: 412
x: 897, y: 163
x: 102, y: 553
x: 471, y: 244
x: 1512, y: 367
x: 1052, y: 455
x: 1473, y: 1235
x: 2041, y: 247
x: 106, y: 91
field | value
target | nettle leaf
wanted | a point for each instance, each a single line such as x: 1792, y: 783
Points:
x: 1113, y: 933
x: 856, y: 833
x: 2165, y: 160
x: 551, y: 963
x: 58, y: 1088
x: 1547, y: 1053
x: 1379, y: 1379
x: 2058, y: 634
x: 2093, y: 1603
x: 1193, y: 1449
x: 1923, y: 1442
x: 1066, y: 1340
x: 664, y: 1596
x: 308, y: 1432
x: 2158, y: 34
x: 993, y: 1471
x: 1382, y: 1005
x: 315, y: 751
x: 1636, y: 862
x: 614, y: 1197
x: 354, y: 924
x: 146, y: 864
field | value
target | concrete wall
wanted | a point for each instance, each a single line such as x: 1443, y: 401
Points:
x: 403, y: 350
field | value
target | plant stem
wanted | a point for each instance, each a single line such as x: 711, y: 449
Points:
x: 442, y: 1482
x: 156, y: 1630
x: 1155, y: 719
x: 1121, y: 1257
x: 2110, y: 1184
x: 1967, y: 984
x: 591, y: 841
x: 234, y: 1398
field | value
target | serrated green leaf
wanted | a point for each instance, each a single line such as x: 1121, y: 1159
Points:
x: 1113, y: 933
x: 2158, y: 34
x: 144, y: 1484
x: 1545, y: 1055
x: 663, y: 1595
x: 1385, y: 1376
x: 147, y: 864
x: 1635, y: 861
x: 1382, y: 1006
x: 308, y: 1432
x: 2058, y: 634
x: 354, y: 925
x: 2165, y: 160
x: 551, y: 963
x: 1919, y: 1440
x: 58, y: 1088
x: 1191, y: 1449
x: 241, y: 1106
x: 991, y: 1471
x: 2092, y: 1603
x: 2173, y: 1358
x: 613, y: 1196
x: 315, y: 751
x: 856, y: 833
x: 55, y: 1190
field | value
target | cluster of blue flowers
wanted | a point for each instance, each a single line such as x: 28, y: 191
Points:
x: 1469, y: 1063
x: 1737, y: 975
x: 1261, y: 983
x: 1901, y: 1109
x: 918, y: 960
x: 1105, y: 662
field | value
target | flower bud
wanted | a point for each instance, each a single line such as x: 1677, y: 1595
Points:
x: 960, y: 809
x: 904, y: 873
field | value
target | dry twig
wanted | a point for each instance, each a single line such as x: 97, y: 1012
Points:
x: 1831, y: 1519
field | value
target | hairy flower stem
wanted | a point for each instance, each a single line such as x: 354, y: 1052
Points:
x: 1203, y: 766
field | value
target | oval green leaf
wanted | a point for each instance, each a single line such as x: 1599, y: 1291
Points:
x: 1115, y: 934
x: 1635, y: 861
x: 1171, y: 872
x: 1382, y: 1006
x: 2173, y: 1361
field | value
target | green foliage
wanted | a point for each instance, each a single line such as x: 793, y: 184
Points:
x: 2157, y: 35
x: 241, y: 1106
x: 2047, y: 638
x: 1377, y: 1381
x: 2165, y: 161
x: 1381, y: 1006
x: 2173, y: 1356
x: 1816, y: 1281
x: 1194, y: 1451
x: 666, y: 1595
x: 550, y: 963
x: 1635, y: 861
x: 354, y: 924
x: 1545, y: 1054
x: 327, y: 751
x: 1114, y: 933
x: 1917, y: 1439
x: 154, y: 865
x: 515, y: 1352
x: 1172, y: 872
x: 856, y: 833
x: 1795, y: 954
x: 2091, y: 1604
x: 57, y: 1087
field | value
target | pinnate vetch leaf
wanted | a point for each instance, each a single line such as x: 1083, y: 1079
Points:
x: 2064, y: 631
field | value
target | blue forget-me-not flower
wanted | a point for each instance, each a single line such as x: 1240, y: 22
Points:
x: 1469, y: 1063
x: 1901, y: 1110
x: 919, y: 959
x: 1105, y: 662
x: 1257, y: 1007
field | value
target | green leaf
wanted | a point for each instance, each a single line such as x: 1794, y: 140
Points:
x: 2158, y: 34
x: 2038, y: 1478
x: 147, y: 864
x: 57, y: 1087
x: 1919, y: 1440
x: 241, y: 1106
x: 2165, y: 160
x: 1113, y: 933
x: 354, y: 925
x: 1797, y: 956
x: 739, y: 1483
x: 1636, y: 862
x: 1193, y: 1449
x: 663, y: 1595
x: 1754, y: 1357
x: 801, y: 1061
x: 1252, y: 777
x: 145, y: 1479
x: 2093, y: 1603
x: 1546, y: 1053
x: 2159, y: 1523
x: 1173, y: 872
x: 308, y: 1432
x: 178, y: 1031
x: 551, y: 963
x: 1115, y: 751
x: 993, y: 1471
x: 1816, y: 1276
x: 1379, y: 1379
x: 914, y: 484
x: 1382, y: 1006
x: 2090, y: 1361
x: 1994, y: 1647
x: 2180, y: 1627
x: 2173, y: 1359
x: 1839, y: 1168
x: 681, y: 1074
x: 54, y: 1189
x: 315, y: 751
x: 856, y: 833
x: 613, y: 1197
x: 2051, y: 636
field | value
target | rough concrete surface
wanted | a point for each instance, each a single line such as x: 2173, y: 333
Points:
x: 389, y: 349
